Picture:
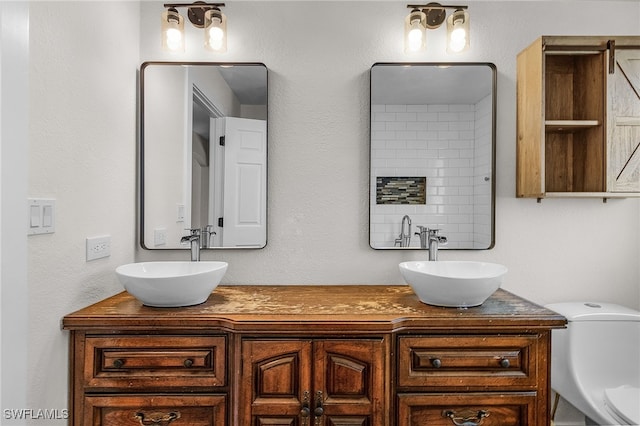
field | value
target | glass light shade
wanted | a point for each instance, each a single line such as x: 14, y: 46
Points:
x: 415, y: 32
x: 458, y: 32
x: 172, y: 29
x: 215, y: 30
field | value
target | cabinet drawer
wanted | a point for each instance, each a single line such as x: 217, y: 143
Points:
x: 155, y: 410
x: 472, y: 362
x: 154, y: 362
x: 468, y: 409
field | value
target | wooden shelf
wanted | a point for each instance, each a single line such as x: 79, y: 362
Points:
x: 591, y: 195
x: 569, y: 126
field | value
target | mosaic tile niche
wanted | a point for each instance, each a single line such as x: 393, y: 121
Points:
x: 401, y: 190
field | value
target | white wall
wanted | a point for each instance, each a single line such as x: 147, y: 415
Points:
x: 319, y: 147
x: 82, y: 150
x: 82, y: 139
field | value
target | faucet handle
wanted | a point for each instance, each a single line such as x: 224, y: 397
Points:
x: 423, y: 229
x: 194, y: 234
x: 434, y: 233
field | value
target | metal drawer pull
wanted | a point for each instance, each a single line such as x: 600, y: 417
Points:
x: 157, y: 419
x: 305, y: 411
x: 504, y: 363
x: 436, y: 362
x: 188, y: 363
x: 319, y: 411
x: 118, y: 363
x: 466, y: 418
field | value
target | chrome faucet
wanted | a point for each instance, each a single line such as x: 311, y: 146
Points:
x: 207, y: 235
x: 194, y: 239
x: 424, y: 237
x: 404, y: 239
x: 433, y: 241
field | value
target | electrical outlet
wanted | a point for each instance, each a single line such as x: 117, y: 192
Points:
x: 159, y: 237
x: 98, y: 247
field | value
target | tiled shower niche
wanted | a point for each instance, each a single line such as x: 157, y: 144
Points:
x: 401, y: 190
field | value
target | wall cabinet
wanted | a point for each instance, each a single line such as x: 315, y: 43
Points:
x: 310, y: 356
x: 578, y: 117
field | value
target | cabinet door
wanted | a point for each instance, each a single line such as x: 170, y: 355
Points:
x: 624, y: 123
x: 530, y: 122
x: 155, y: 410
x: 349, y: 382
x: 275, y: 382
x: 321, y: 382
x: 469, y: 409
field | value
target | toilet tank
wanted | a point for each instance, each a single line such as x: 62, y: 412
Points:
x: 599, y: 349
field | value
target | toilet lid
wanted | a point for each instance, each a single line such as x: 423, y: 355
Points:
x: 625, y: 402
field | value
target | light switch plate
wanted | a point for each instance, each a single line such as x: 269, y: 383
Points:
x: 41, y: 216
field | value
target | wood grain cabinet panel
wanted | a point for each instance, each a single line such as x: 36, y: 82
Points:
x: 155, y: 410
x: 623, y: 123
x: 135, y: 362
x: 319, y: 382
x: 472, y: 409
x: 481, y: 362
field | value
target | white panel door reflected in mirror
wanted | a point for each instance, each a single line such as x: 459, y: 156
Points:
x: 432, y: 154
x: 203, y: 154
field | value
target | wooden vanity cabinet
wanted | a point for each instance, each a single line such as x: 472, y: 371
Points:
x: 310, y: 356
x: 578, y: 117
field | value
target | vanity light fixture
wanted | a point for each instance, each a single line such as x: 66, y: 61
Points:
x: 201, y: 15
x: 431, y: 16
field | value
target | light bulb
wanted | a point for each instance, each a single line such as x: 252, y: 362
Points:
x: 172, y: 30
x: 415, y: 32
x: 458, y: 32
x: 414, y: 37
x: 458, y: 40
x: 215, y: 33
x: 174, y: 38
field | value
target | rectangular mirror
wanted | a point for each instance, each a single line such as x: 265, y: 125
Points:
x: 432, y: 158
x: 203, y: 154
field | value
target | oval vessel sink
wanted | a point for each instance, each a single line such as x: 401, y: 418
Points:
x: 453, y: 283
x: 171, y: 284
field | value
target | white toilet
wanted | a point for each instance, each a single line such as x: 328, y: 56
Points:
x: 595, y: 361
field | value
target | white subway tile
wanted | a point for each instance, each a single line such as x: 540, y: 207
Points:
x: 396, y: 108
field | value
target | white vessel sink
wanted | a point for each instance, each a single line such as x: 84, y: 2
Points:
x: 171, y: 284
x: 453, y: 283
